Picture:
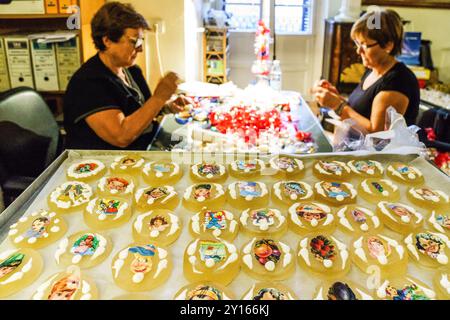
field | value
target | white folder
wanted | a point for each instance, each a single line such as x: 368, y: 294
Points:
x: 44, y: 65
x: 68, y: 60
x: 19, y: 61
x: 4, y: 77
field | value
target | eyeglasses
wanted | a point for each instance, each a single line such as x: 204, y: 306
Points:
x: 365, y: 46
x: 136, y: 42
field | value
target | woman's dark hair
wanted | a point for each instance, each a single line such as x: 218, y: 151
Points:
x: 390, y: 28
x: 112, y: 19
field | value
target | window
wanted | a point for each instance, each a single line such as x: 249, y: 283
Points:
x: 245, y: 13
x: 291, y: 16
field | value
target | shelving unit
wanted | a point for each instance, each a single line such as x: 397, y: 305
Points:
x: 216, y: 53
x: 35, y: 23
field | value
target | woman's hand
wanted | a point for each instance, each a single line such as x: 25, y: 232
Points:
x: 166, y: 87
x: 326, y: 85
x: 327, y: 97
x: 178, y: 104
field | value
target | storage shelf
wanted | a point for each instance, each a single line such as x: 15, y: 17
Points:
x: 34, y: 16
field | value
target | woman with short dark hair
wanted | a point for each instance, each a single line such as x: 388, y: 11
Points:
x: 387, y: 82
x: 108, y: 104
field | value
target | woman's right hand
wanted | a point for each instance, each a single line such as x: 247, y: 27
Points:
x: 326, y: 85
x: 166, y: 87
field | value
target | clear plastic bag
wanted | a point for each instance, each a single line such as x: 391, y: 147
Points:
x: 397, y: 135
x: 348, y: 136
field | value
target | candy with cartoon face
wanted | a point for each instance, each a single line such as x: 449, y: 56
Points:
x: 267, y: 259
x: 323, y: 255
x: 86, y: 170
x: 404, y: 173
x: 429, y: 249
x: 358, y: 219
x: 246, y: 194
x: 141, y: 267
x: 404, y: 288
x: 203, y: 291
x: 214, y: 223
x: 209, y: 195
x: 158, y: 226
x: 374, y: 249
x: 335, y: 193
x: 18, y: 269
x: 366, y: 168
x: 306, y: 217
x: 244, y: 169
x: 107, y: 212
x: 268, y: 291
x: 331, y: 170
x: 158, y: 173
x: 376, y: 190
x: 285, y: 193
x: 208, y: 172
x: 116, y: 185
x: 399, y: 217
x: 205, y: 260
x: 263, y: 221
x: 130, y: 164
x: 70, y: 197
x: 286, y: 167
x: 426, y: 198
x: 37, y: 230
x: 69, y: 285
x: 162, y: 197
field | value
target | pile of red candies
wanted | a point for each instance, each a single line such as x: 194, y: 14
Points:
x: 248, y: 121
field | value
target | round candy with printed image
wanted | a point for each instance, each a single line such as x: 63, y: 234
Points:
x: 268, y: 259
x: 404, y: 173
x: 159, y: 173
x: 116, y: 185
x: 246, y: 169
x: 376, y: 190
x: 441, y: 283
x: 427, y: 198
x: 107, y: 212
x: 158, y: 197
x: 366, y: 168
x: 204, y: 290
x: 358, y: 219
x: 399, y: 217
x: 286, y: 193
x: 37, y: 230
x: 71, y: 284
x: 429, y: 249
x: 341, y: 290
x: 19, y: 268
x: 220, y: 224
x: 374, y: 249
x: 85, y: 249
x: 287, y: 167
x: 335, y: 193
x: 208, y: 172
x: 331, y: 170
x: 157, y: 226
x: 263, y: 221
x: 130, y: 164
x: 269, y: 291
x: 247, y: 194
x: 210, y: 195
x: 404, y: 288
x: 211, y: 260
x: 70, y: 197
x: 141, y: 267
x: 324, y: 256
x: 440, y: 222
x: 306, y: 217
x: 86, y: 170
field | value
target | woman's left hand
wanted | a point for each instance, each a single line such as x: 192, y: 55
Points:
x: 327, y: 98
x: 178, y: 104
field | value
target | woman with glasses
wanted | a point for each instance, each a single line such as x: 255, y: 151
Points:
x: 386, y: 82
x: 108, y: 104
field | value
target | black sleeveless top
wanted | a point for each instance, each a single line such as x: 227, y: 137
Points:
x: 399, y: 78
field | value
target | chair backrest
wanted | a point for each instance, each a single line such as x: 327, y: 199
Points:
x: 26, y: 108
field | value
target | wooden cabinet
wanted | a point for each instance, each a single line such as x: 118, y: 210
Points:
x: 35, y: 23
x: 215, y: 55
x: 342, y: 65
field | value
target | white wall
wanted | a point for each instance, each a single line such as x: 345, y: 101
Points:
x: 180, y: 44
x: 434, y: 25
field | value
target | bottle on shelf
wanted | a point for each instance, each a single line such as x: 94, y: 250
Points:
x: 275, y: 75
